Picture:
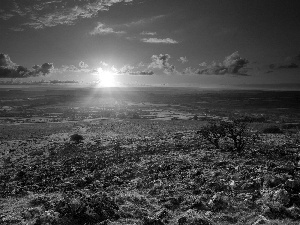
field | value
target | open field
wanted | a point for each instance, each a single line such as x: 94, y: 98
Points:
x: 143, y: 161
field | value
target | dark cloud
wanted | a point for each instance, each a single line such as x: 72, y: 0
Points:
x: 289, y: 66
x: 290, y: 63
x: 231, y: 65
x: 9, y: 69
x: 142, y: 73
x: 44, y: 69
x: 162, y: 62
x: 189, y: 71
x: 127, y: 69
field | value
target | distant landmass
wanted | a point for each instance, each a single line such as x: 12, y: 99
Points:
x: 287, y: 86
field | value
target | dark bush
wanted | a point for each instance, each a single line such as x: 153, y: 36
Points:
x: 272, y: 130
x: 235, y: 132
x: 73, y: 209
x: 213, y: 133
x: 77, y: 138
x: 291, y: 126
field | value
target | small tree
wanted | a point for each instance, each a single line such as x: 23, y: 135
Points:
x: 77, y: 138
x: 238, y: 132
x: 213, y: 133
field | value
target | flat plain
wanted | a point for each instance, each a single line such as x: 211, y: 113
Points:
x: 142, y: 159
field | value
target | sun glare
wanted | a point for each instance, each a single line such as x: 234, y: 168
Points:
x: 107, y: 79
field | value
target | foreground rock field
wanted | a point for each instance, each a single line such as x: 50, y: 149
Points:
x: 145, y: 173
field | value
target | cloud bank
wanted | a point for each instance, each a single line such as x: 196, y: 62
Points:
x: 290, y: 63
x: 162, y: 62
x: 44, y: 14
x: 232, y: 64
x: 9, y: 69
x: 129, y: 70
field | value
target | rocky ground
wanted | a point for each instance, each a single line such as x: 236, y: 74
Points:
x: 148, y: 173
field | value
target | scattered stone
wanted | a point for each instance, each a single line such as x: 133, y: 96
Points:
x: 293, y: 212
x: 287, y: 168
x: 282, y: 197
x: 261, y: 220
x: 152, y: 221
x: 292, y: 185
x: 250, y: 186
x: 191, y: 217
x: 162, y: 214
x: 277, y: 198
x: 272, y: 181
x: 199, y: 205
x: 218, y: 201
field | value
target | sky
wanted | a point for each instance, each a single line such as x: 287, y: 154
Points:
x: 201, y: 43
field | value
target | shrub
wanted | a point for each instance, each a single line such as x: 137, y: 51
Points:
x: 272, y: 130
x: 213, y: 133
x: 87, y: 208
x: 236, y: 132
x: 72, y: 209
x: 77, y: 138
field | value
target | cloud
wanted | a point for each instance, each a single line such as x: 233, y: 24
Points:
x: 189, y: 71
x: 9, y: 69
x: 43, y: 14
x: 144, y: 21
x: 5, y: 61
x: 101, y: 29
x: 290, y: 63
x: 159, y: 41
x: 183, y: 59
x: 148, y: 33
x: 231, y: 65
x: 162, y: 62
x: 17, y: 29
x: 289, y: 66
x: 203, y: 64
x: 44, y: 69
x: 72, y: 68
x: 5, y: 16
x: 103, y: 63
x: 126, y: 69
x: 142, y: 73
x: 82, y: 65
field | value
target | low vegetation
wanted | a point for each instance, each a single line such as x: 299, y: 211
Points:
x: 147, y: 172
x: 272, y: 130
x: 76, y: 138
x: 235, y: 135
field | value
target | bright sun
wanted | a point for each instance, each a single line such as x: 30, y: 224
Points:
x: 107, y: 79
